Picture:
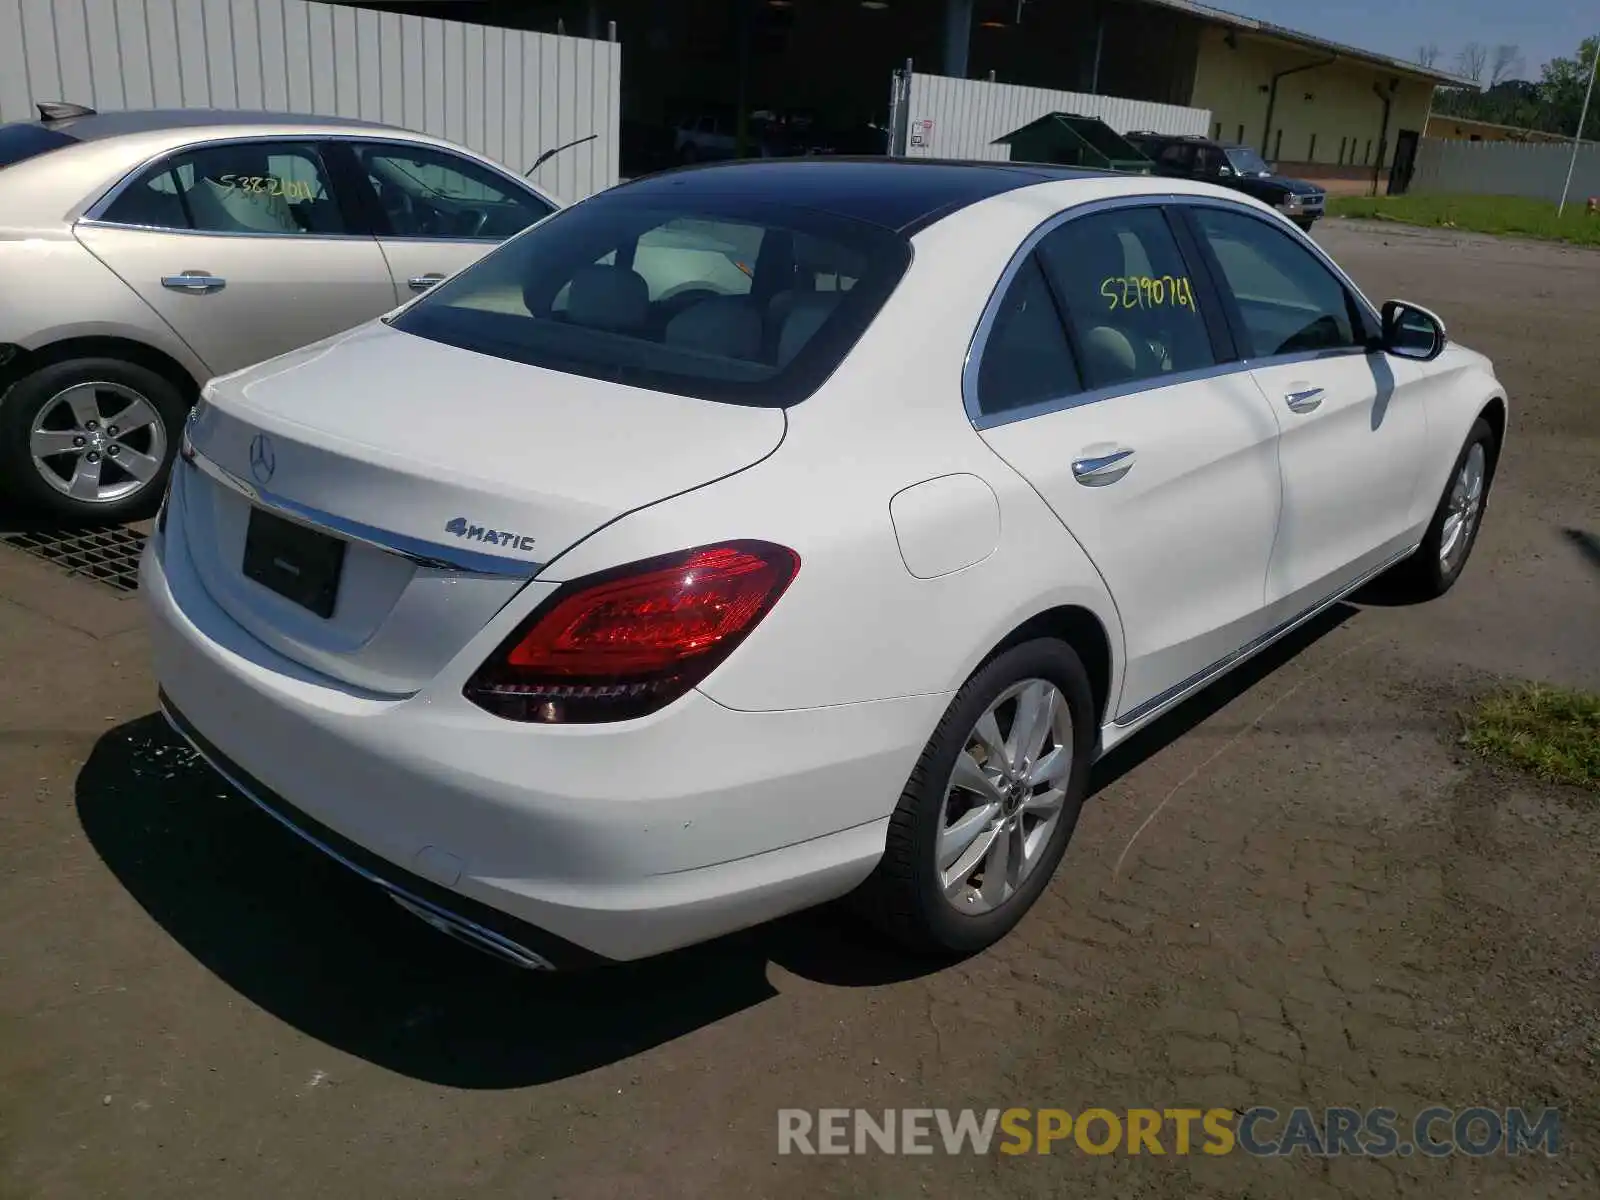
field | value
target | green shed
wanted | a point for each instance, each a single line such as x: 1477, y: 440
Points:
x: 1075, y: 141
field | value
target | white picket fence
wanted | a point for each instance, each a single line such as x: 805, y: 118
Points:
x: 1534, y: 169
x: 502, y: 92
x: 945, y: 117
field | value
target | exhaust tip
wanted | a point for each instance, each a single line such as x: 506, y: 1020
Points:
x: 483, y: 940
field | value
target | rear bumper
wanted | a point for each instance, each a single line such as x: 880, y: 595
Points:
x: 568, y: 843
x: 488, y: 928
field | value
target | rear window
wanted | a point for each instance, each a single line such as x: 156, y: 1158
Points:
x: 730, y: 299
x: 27, y: 140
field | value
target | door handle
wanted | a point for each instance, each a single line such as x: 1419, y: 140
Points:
x: 194, y: 281
x: 1102, y: 468
x: 421, y: 283
x: 1303, y: 400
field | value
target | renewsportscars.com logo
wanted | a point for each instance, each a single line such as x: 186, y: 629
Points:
x: 1260, y: 1131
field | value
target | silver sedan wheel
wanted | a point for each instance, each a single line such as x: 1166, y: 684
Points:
x: 98, y: 442
x: 1005, y: 796
x: 1463, y: 508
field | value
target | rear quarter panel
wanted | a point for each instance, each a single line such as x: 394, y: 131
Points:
x: 56, y: 290
x: 856, y: 625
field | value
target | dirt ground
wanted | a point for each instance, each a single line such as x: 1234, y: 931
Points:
x: 1298, y: 889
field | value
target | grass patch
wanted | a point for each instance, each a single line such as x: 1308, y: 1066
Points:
x: 1553, y: 732
x: 1478, y: 214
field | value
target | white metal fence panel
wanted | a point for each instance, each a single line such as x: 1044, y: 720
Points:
x: 1505, y: 169
x: 960, y: 118
x: 506, y: 93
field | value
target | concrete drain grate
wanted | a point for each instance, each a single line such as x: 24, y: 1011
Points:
x: 110, y: 556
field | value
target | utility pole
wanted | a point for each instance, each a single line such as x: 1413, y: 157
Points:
x: 1577, y: 136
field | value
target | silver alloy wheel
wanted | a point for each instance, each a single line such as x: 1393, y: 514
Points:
x: 1463, y: 508
x: 1005, y: 796
x: 98, y: 442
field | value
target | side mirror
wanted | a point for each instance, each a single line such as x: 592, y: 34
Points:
x: 1225, y: 172
x: 1411, y: 331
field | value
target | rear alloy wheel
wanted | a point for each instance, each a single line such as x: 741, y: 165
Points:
x: 90, y: 439
x: 1005, y: 796
x: 990, y: 806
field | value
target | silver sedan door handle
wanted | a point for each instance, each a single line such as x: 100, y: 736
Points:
x: 1102, y: 468
x: 1304, y: 399
x: 421, y: 283
x: 194, y: 281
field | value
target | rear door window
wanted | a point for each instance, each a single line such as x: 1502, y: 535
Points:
x: 1027, y: 359
x: 1133, y: 308
x: 261, y: 188
x: 1178, y: 156
x: 730, y: 299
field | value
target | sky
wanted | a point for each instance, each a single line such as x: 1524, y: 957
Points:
x: 1544, y: 29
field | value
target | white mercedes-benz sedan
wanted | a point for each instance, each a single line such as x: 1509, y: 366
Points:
x: 753, y: 535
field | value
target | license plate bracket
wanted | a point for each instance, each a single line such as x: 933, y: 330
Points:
x: 298, y: 563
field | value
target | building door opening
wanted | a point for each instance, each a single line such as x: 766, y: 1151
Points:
x: 1405, y: 161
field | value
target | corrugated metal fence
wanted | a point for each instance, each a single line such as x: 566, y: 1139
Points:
x: 960, y: 118
x: 1505, y: 169
x: 506, y: 93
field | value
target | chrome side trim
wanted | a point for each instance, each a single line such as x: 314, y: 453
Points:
x: 440, y: 918
x: 432, y: 555
x: 168, y: 231
x: 292, y: 238
x: 980, y: 336
x: 1204, y: 676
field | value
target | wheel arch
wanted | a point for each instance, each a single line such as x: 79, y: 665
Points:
x: 1494, y: 415
x: 24, y: 361
x: 1081, y: 629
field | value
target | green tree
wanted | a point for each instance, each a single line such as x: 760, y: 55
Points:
x: 1561, y: 89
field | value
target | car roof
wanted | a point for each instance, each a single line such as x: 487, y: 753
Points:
x: 901, y: 194
x: 99, y: 125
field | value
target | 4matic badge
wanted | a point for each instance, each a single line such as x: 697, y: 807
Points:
x: 462, y: 528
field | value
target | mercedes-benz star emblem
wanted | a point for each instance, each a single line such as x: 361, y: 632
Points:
x: 263, y: 459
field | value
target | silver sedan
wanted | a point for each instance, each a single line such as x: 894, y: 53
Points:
x: 151, y: 251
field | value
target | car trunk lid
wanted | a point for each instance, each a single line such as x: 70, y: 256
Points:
x: 447, y: 479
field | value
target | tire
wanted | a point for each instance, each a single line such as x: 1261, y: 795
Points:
x: 1306, y: 225
x: 905, y: 897
x: 49, y: 407
x: 1432, y: 571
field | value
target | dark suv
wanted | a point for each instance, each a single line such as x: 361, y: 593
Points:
x: 1237, y: 167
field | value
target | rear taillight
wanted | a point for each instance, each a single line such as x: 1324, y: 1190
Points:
x: 628, y: 641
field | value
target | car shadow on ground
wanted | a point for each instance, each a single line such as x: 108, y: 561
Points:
x: 1587, y: 544
x: 326, y: 952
